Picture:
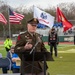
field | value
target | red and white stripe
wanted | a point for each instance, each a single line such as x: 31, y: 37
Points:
x: 18, y: 16
x: 3, y: 19
x: 13, y: 20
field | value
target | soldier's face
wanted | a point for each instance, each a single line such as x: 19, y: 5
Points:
x: 31, y: 28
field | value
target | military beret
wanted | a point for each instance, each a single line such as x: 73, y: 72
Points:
x: 33, y: 21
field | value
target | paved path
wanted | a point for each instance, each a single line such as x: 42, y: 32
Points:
x: 11, y: 74
x: 1, y: 42
x: 63, y: 43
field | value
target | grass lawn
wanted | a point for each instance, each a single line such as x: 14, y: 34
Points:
x: 64, y: 64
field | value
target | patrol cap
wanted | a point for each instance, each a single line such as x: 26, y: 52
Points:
x: 33, y: 21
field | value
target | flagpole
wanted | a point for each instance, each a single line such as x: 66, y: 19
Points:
x: 60, y: 18
x: 3, y: 31
x: 9, y: 24
x: 33, y: 11
x: 56, y: 22
x: 9, y: 33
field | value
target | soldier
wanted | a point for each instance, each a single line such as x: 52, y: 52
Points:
x: 25, y: 42
x: 53, y: 41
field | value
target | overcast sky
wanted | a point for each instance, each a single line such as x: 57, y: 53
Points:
x: 41, y: 3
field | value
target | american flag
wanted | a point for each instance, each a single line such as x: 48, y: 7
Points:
x: 3, y: 19
x: 19, y: 16
x: 12, y: 18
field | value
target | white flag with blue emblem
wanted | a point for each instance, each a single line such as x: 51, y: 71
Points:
x: 43, y: 17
